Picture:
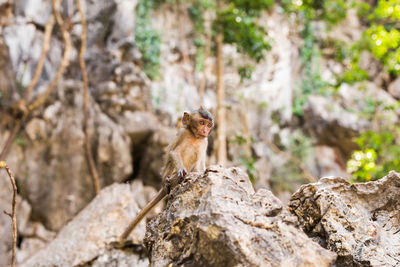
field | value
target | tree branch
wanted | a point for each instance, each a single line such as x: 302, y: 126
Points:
x: 63, y: 65
x: 13, y: 214
x: 45, y: 48
x: 38, y: 71
x: 64, y: 62
x: 88, y: 150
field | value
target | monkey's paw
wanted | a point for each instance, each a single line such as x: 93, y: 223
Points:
x: 181, y: 174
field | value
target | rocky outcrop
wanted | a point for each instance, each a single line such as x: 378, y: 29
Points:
x: 360, y: 222
x: 331, y: 124
x: 87, y: 239
x: 63, y: 187
x: 216, y: 219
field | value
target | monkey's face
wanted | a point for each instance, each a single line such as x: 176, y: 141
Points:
x: 201, y: 127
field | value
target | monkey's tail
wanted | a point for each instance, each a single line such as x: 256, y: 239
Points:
x: 160, y: 195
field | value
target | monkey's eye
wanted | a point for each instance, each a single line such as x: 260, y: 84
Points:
x: 201, y: 122
x: 209, y: 125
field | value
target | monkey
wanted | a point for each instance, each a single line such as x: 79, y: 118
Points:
x: 186, y: 153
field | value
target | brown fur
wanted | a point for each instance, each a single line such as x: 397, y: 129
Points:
x: 186, y: 153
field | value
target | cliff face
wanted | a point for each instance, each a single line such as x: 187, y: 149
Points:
x: 133, y: 118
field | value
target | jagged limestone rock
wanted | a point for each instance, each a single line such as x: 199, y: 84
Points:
x: 49, y: 162
x: 216, y: 219
x: 88, y: 239
x: 360, y: 222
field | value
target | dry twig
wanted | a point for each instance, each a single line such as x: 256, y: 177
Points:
x: 88, y: 149
x: 13, y: 214
x: 306, y: 173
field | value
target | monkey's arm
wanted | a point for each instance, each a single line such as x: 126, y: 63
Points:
x: 160, y: 195
x: 201, y: 165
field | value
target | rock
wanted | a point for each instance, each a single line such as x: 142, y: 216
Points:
x: 394, y: 88
x: 33, y: 238
x: 357, y: 96
x: 330, y: 162
x: 138, y: 125
x: 87, y: 240
x: 28, y: 247
x: 149, y: 159
x: 273, y: 81
x: 37, y: 11
x: 127, y: 89
x: 25, y: 41
x: 23, y: 211
x: 119, y: 258
x: 5, y: 233
x: 331, y: 124
x: 123, y: 23
x: 49, y: 161
x: 360, y: 222
x: 216, y: 219
x: 349, y: 30
x: 263, y: 169
x: 8, y: 90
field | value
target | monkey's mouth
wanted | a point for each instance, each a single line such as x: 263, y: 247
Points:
x: 202, y: 135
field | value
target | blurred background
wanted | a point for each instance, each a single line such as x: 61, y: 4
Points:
x: 299, y: 90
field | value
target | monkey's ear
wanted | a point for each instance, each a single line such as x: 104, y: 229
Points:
x: 186, y: 118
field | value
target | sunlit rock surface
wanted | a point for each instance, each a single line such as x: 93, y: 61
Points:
x: 216, y: 219
x: 87, y: 240
x: 360, y: 222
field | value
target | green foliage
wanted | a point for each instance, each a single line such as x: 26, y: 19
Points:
x: 353, y: 74
x: 332, y: 11
x: 245, y: 72
x: 382, y: 38
x: 362, y: 164
x: 384, y: 45
x: 240, y: 29
x: 237, y: 21
x: 147, y: 39
x: 388, y: 9
x: 312, y: 82
x: 379, y: 153
x: 252, y: 7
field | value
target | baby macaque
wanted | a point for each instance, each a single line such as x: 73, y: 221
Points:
x: 186, y: 153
